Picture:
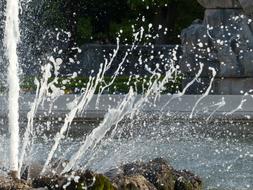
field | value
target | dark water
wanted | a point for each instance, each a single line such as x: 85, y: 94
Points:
x: 222, y: 153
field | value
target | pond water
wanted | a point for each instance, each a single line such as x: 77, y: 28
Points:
x: 221, y: 153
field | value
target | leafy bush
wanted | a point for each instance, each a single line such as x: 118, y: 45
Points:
x: 121, y: 85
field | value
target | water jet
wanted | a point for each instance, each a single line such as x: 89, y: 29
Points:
x: 134, y: 102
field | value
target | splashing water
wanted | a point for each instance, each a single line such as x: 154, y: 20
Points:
x: 121, y: 132
x: 113, y: 117
x: 206, y: 92
x: 11, y: 40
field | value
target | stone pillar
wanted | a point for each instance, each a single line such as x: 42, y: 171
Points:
x: 224, y: 41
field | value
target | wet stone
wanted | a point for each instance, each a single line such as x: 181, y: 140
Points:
x: 214, y: 4
x: 156, y: 174
x: 223, y: 41
x: 185, y: 180
x: 247, y: 6
x: 136, y: 182
x: 7, y: 183
x: 75, y: 181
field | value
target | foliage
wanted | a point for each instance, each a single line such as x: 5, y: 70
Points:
x: 135, y: 4
x: 99, y: 20
x: 121, y: 85
x: 84, y: 29
x: 125, y: 26
x: 52, y: 14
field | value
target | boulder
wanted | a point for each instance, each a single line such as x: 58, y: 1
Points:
x: 136, y: 182
x: 185, y: 180
x: 158, y: 173
x: 214, y: 4
x: 7, y: 183
x: 75, y: 181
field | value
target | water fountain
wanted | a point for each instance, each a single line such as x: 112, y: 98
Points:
x: 56, y: 139
x: 11, y: 40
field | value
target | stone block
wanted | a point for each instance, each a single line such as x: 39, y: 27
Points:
x: 229, y: 65
x: 247, y: 6
x: 226, y: 40
x: 198, y: 87
x: 247, y: 61
x: 93, y: 55
x: 213, y: 4
x: 191, y: 67
x: 232, y: 86
x: 221, y: 17
x: 248, y: 84
x: 220, y: 86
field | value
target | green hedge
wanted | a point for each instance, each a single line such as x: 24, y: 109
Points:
x: 120, y: 85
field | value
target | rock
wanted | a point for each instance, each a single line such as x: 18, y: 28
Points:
x: 136, y: 182
x: 186, y: 180
x: 214, y: 4
x: 75, y: 181
x: 247, y: 6
x: 10, y: 184
x: 224, y: 41
x: 158, y: 173
x: 102, y: 183
x: 195, y: 46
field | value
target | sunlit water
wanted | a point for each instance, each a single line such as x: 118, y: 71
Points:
x: 222, y: 154
x: 12, y: 36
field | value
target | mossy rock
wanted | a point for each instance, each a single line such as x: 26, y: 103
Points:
x: 102, y: 183
x: 75, y: 181
x: 137, y: 182
x: 10, y: 184
x: 183, y: 184
x: 158, y: 173
x: 185, y: 180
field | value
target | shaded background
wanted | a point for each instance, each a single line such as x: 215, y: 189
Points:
x: 79, y: 22
x: 57, y: 27
x: 98, y: 21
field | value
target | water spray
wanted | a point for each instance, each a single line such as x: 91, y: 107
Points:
x: 12, y: 36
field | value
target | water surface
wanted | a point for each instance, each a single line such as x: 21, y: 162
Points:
x: 222, y: 153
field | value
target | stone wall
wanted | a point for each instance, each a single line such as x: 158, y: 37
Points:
x: 93, y: 55
x: 224, y: 41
